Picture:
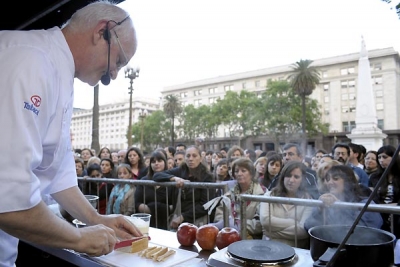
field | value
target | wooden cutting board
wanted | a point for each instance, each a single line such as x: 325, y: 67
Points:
x: 119, y: 258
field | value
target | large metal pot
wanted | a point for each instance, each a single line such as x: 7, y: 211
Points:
x: 366, y: 247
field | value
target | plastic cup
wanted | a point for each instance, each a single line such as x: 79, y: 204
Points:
x: 141, y: 221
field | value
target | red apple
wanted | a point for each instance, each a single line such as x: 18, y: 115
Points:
x: 186, y: 234
x: 206, y: 236
x: 227, y: 236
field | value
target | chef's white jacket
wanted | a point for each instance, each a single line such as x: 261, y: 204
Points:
x: 36, y: 101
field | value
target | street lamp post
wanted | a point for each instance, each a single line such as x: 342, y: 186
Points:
x: 131, y: 74
x: 142, y: 116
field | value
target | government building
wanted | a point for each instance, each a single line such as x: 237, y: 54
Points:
x: 336, y: 95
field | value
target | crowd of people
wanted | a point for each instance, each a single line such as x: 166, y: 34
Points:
x: 348, y: 173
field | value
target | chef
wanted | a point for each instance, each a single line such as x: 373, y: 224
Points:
x: 38, y: 68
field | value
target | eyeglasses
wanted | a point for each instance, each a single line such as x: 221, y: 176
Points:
x: 120, y: 65
x: 290, y: 154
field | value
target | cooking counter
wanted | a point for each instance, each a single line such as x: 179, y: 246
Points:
x: 32, y: 253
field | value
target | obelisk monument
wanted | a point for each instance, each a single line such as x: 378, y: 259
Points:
x: 366, y: 132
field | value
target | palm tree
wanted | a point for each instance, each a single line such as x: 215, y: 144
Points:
x: 303, y: 81
x: 172, y: 107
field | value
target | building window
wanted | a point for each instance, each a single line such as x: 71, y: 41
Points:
x: 197, y: 92
x: 257, y: 83
x: 326, y: 99
x: 228, y: 88
x: 326, y: 112
x: 352, y: 96
x: 345, y: 96
x: 325, y: 86
x: 212, y: 90
x: 379, y: 106
x: 197, y: 102
x: 324, y: 74
x: 378, y: 93
x: 380, y: 124
x: 347, y: 71
x: 243, y: 85
x: 348, y: 126
x: 183, y: 94
x: 377, y: 66
x: 352, y: 108
x: 212, y: 100
x: 345, y: 109
x: 376, y: 79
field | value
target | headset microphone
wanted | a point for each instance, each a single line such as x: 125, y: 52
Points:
x: 106, y: 78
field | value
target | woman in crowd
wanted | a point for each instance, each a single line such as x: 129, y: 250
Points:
x: 323, y: 168
x: 171, y: 163
x: 342, y: 186
x: 282, y: 222
x: 208, y: 159
x: 86, y: 154
x: 107, y: 167
x: 389, y: 191
x: 190, y: 170
x: 101, y: 189
x: 135, y: 159
x: 235, y: 152
x: 260, y: 164
x: 274, y: 166
x: 93, y: 160
x: 121, y: 200
x: 80, y: 167
x: 371, y: 163
x: 245, y: 174
x: 216, y: 157
x: 104, y: 153
x: 150, y: 199
x: 221, y: 174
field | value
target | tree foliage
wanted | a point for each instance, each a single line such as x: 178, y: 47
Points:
x: 397, y: 7
x: 155, y: 130
x: 282, y: 112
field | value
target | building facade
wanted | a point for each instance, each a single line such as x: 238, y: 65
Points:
x: 113, y: 123
x: 336, y: 94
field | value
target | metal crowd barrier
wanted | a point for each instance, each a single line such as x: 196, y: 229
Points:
x: 145, y: 183
x: 382, y: 208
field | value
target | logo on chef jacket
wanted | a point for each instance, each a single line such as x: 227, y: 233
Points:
x: 36, y: 101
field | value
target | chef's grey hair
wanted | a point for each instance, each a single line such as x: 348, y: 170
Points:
x: 90, y: 15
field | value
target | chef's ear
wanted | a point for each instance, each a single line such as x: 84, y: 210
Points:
x: 100, y: 32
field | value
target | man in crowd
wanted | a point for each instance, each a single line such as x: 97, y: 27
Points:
x: 180, y: 147
x: 341, y: 153
x: 293, y: 152
x: 355, y: 155
x: 179, y: 157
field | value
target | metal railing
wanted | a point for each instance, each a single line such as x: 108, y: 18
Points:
x: 151, y: 183
x: 382, y: 208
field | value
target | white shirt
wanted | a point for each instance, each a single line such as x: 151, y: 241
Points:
x: 36, y: 89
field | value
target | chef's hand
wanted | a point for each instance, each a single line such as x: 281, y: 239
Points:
x: 96, y: 240
x: 123, y: 228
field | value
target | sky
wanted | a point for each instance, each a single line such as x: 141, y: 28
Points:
x: 182, y: 41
